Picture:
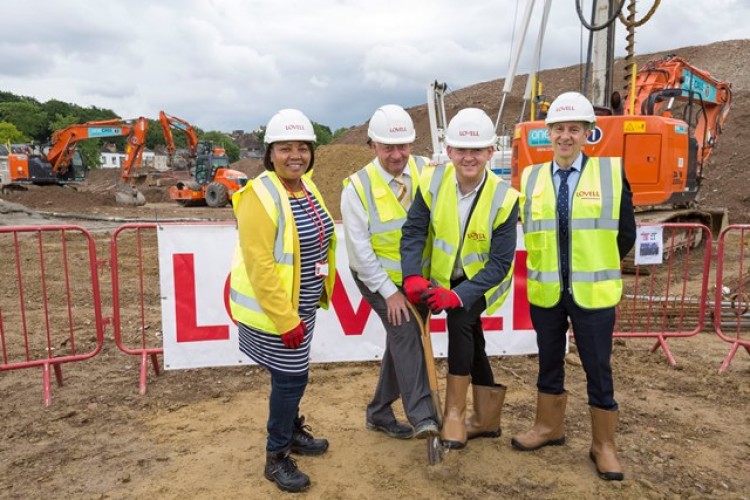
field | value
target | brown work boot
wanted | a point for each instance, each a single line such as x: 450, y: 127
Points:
x: 488, y: 407
x: 549, y: 427
x: 453, y: 433
x: 603, y: 449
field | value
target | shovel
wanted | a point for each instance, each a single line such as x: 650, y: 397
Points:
x: 435, y: 449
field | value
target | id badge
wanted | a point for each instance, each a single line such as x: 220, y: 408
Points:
x: 321, y: 269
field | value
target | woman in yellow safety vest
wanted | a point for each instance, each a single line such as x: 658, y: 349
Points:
x: 282, y: 271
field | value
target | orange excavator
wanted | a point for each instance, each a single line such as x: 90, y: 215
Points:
x: 665, y: 136
x: 213, y: 183
x: 22, y: 164
x: 60, y: 163
x: 65, y: 140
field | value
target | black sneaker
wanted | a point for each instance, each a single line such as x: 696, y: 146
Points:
x: 282, y: 469
x: 303, y: 443
x: 393, y: 429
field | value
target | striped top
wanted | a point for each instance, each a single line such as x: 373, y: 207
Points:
x: 268, y: 349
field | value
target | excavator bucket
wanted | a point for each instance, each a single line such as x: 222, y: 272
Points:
x: 129, y: 195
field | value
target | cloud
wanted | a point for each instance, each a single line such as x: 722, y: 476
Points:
x: 230, y: 64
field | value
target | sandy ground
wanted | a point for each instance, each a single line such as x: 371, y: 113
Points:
x: 684, y: 431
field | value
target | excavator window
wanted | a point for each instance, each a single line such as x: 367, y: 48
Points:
x: 202, y: 171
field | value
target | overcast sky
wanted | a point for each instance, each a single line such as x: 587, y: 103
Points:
x: 230, y: 64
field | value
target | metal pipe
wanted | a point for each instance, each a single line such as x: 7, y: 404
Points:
x: 514, y: 59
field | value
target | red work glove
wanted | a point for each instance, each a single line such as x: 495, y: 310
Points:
x: 441, y: 298
x: 414, y: 287
x: 294, y: 337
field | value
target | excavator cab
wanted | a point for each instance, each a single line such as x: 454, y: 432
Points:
x: 207, y: 166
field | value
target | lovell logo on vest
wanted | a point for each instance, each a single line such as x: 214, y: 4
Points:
x: 473, y: 235
x: 588, y: 195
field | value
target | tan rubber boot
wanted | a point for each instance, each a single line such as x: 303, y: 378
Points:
x: 603, y: 449
x: 549, y: 427
x: 488, y: 407
x: 453, y: 433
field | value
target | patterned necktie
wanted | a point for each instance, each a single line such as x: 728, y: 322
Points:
x: 562, y: 218
x: 401, y: 191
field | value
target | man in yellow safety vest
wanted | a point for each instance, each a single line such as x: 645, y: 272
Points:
x: 374, y: 204
x: 468, y: 216
x: 578, y: 224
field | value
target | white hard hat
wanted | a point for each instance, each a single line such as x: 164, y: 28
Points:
x: 289, y: 125
x: 570, y: 107
x: 470, y: 128
x: 391, y: 124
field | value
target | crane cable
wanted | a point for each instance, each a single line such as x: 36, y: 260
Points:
x: 618, y: 12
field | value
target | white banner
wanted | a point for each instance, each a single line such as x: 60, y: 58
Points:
x: 194, y: 264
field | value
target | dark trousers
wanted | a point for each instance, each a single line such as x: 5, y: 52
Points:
x: 286, y: 393
x: 402, y: 370
x: 592, y: 330
x: 466, y: 345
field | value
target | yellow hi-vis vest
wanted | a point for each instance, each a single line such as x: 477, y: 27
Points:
x: 595, y: 278
x: 385, y: 214
x: 492, y: 208
x: 242, y: 298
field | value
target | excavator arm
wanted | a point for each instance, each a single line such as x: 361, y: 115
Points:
x: 134, y: 150
x: 673, y: 87
x: 64, y: 143
x: 64, y: 140
x: 169, y: 121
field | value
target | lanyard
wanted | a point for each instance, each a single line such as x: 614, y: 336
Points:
x: 312, y: 212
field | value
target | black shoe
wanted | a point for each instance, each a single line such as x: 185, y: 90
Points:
x: 282, y: 469
x: 303, y: 443
x: 393, y: 429
x: 425, y: 428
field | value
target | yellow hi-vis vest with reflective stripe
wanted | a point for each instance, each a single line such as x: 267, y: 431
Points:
x: 595, y: 278
x: 492, y: 208
x: 385, y: 214
x: 242, y: 298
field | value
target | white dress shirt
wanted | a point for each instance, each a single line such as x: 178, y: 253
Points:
x: 362, y: 258
x: 465, y: 202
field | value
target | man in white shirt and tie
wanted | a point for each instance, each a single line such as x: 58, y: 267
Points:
x: 374, y: 204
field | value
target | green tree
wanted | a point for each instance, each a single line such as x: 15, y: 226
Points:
x: 261, y: 133
x: 28, y: 117
x: 155, y: 135
x: 9, y: 133
x: 322, y: 133
x: 223, y: 140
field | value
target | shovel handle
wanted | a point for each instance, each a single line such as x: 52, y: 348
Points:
x: 429, y: 360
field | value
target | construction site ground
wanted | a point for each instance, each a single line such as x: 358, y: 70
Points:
x: 684, y: 431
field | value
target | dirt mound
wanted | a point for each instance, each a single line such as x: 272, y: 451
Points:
x: 333, y: 164
x: 249, y: 166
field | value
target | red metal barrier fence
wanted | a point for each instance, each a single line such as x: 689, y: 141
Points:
x: 51, y: 303
x: 49, y: 300
x: 732, y: 303
x: 136, y: 301
x: 667, y: 300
